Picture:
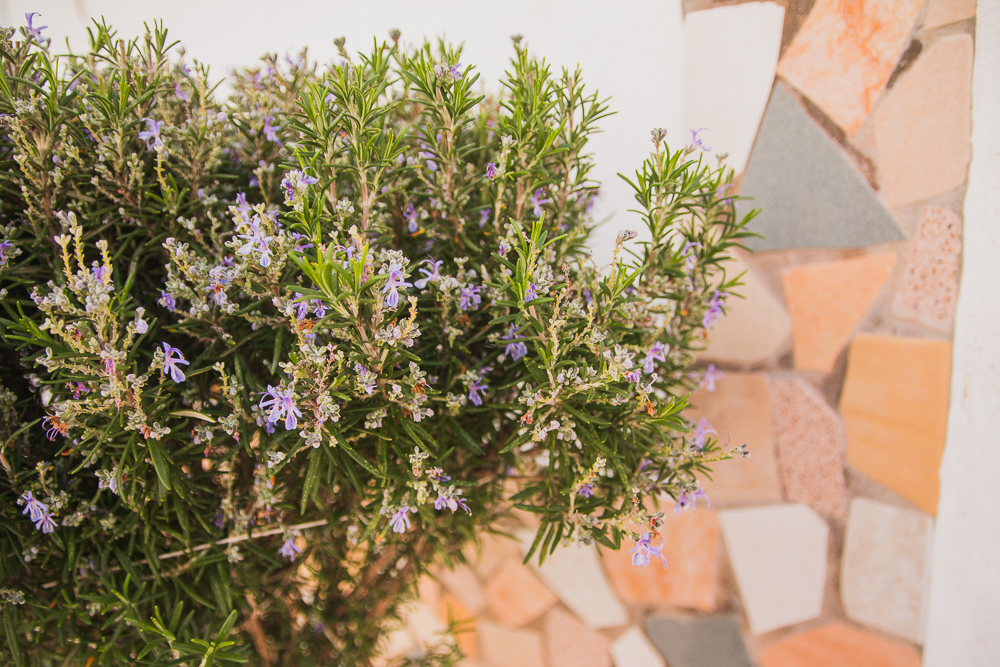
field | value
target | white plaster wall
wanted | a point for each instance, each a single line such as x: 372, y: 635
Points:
x: 964, y: 618
x: 628, y: 50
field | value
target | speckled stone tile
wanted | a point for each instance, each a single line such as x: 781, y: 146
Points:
x: 699, y: 642
x: 928, y: 294
x: 837, y: 645
x: 845, y: 52
x: 923, y: 126
x: 810, y: 441
x: 885, y: 568
x: 827, y: 301
x: 778, y: 553
x: 809, y: 193
x: 895, y: 410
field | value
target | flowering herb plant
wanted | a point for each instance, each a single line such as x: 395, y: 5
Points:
x: 264, y: 359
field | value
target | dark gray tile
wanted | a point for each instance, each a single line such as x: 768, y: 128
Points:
x: 699, y: 642
x: 809, y: 193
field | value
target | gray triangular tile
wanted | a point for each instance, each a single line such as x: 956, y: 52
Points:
x: 809, y: 194
x: 699, y: 642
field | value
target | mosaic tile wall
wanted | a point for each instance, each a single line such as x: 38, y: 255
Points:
x: 853, y: 122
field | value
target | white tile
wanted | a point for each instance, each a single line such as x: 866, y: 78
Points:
x: 633, y: 649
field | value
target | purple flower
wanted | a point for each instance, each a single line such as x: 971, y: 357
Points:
x: 78, y: 388
x: 396, y: 280
x: 701, y: 431
x: 587, y: 296
x: 170, y: 364
x: 531, y: 293
x: 515, y: 348
x: 643, y: 550
x: 537, y: 201
x: 427, y: 155
x: 430, y: 275
x: 318, y: 308
x: 34, y: 508
x: 299, y: 247
x: 469, y: 298
x: 271, y: 131
x: 217, y: 293
x: 491, y: 170
x: 721, y: 192
x: 503, y: 249
x: 46, y: 523
x: 151, y: 135
x: 400, y: 521
x: 688, y: 499
x: 474, y: 390
x: 281, y: 405
x: 181, y: 93
x: 4, y: 247
x: 289, y: 550
x: 696, y: 142
x: 712, y: 375
x: 633, y: 376
x: 257, y: 240
x: 411, y: 216
x: 655, y: 354
x: 484, y: 217
x: 689, y: 256
x: 301, y: 308
x: 167, y: 301
x: 33, y: 32
x: 714, y: 312
x: 586, y: 491
x: 451, y: 502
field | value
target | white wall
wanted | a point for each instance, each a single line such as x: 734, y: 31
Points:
x: 964, y: 619
x: 628, y: 50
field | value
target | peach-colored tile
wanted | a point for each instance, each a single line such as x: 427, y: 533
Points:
x: 464, y: 585
x: 844, y: 53
x: 503, y: 647
x: 516, y: 596
x: 691, y: 579
x: 837, y: 645
x: 570, y: 643
x: 810, y: 442
x: 944, y: 12
x: 895, y: 408
x: 493, y: 552
x: 452, y: 611
x: 740, y: 408
x: 929, y: 293
x: 827, y: 301
x: 923, y: 126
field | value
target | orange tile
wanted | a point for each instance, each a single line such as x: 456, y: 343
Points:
x: 452, y: 611
x: 837, y: 645
x: 827, y: 301
x: 691, y: 578
x: 895, y: 408
x: 503, y: 647
x: 516, y: 596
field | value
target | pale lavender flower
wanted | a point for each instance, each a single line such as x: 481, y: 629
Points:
x: 33, y: 507
x: 281, y: 405
x: 689, y: 255
x: 301, y: 308
x: 643, y: 550
x: 289, y: 549
x: 537, y: 200
x: 170, y: 364
x: 318, y: 308
x: 430, y: 275
x: 696, y: 141
x: 714, y: 312
x: 656, y: 353
x: 531, y: 293
x: 4, y: 247
x: 474, y: 390
x: 712, y: 375
x: 491, y: 170
x: 484, y: 217
x: 451, y: 502
x: 427, y: 155
x: 503, y: 249
x: 271, y: 131
x: 33, y: 32
x: 141, y: 326
x: 181, y: 93
x: 400, y: 521
x: 411, y: 216
x: 469, y: 299
x: 516, y: 347
x: 395, y: 281
x: 151, y: 135
x: 687, y: 500
x: 167, y: 301
x: 257, y: 240
x: 586, y: 491
x: 701, y: 432
x: 217, y: 291
x: 47, y: 523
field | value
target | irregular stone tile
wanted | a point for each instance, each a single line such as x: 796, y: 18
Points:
x: 827, y: 301
x: 944, y: 12
x: 494, y: 552
x: 809, y: 193
x: 778, y: 555
x: 740, y: 407
x: 595, y: 603
x: 691, y: 580
x: 810, y: 442
x: 516, y: 596
x: 699, y: 642
x: 835, y: 645
x: 895, y: 408
x: 503, y: 647
x: 633, y: 649
x: 737, y: 45
x: 845, y: 52
x: 425, y: 625
x: 924, y: 124
x: 452, y: 611
x: 570, y: 643
x: 464, y: 585
x: 885, y: 567
x: 754, y: 329
x: 929, y: 292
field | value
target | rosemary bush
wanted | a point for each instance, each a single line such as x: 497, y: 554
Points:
x: 265, y: 359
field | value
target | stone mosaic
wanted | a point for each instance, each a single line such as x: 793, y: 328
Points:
x: 570, y: 643
x: 699, y: 642
x: 928, y: 294
x: 835, y: 645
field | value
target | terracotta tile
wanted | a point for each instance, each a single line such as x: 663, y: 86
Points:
x: 844, y: 53
x: 516, y: 596
x: 827, y: 301
x: 943, y: 12
x: 835, y: 645
x: 779, y: 558
x: 923, y: 126
x: 503, y: 647
x: 691, y: 578
x: 570, y: 643
x: 495, y: 551
x: 811, y: 443
x: 895, y: 408
x: 633, y: 649
x: 929, y: 292
x: 740, y: 407
x: 885, y: 567
x: 452, y: 611
x: 754, y: 329
x: 464, y: 585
